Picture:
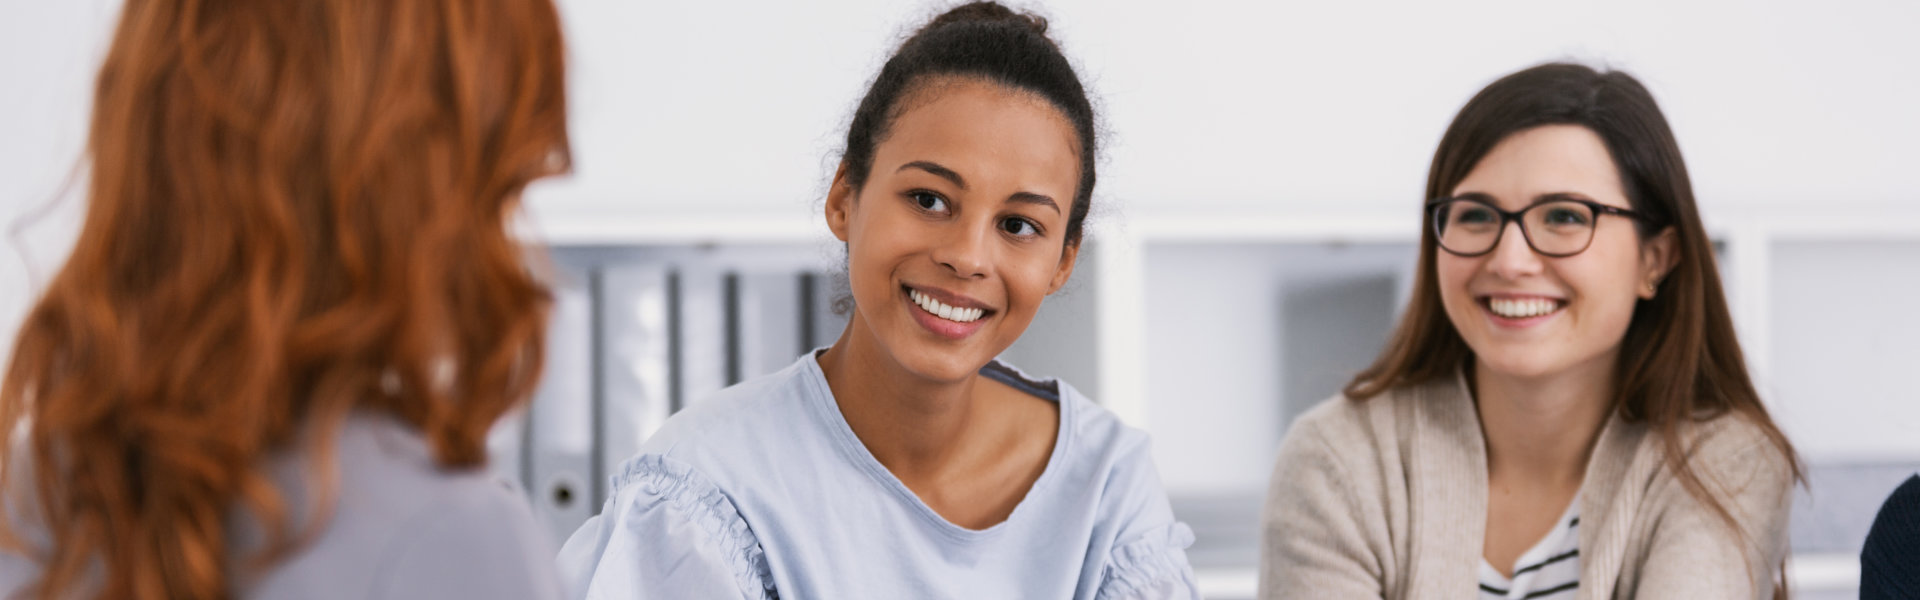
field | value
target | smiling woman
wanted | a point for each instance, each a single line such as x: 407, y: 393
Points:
x: 1564, y: 411
x: 958, y: 214
x: 905, y: 461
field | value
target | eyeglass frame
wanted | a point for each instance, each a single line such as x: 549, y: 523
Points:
x: 1517, y: 216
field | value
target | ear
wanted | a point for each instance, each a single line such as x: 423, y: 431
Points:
x: 1068, y: 256
x: 1658, y: 256
x: 840, y: 203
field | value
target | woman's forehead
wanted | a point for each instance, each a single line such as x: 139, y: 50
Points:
x: 1551, y: 159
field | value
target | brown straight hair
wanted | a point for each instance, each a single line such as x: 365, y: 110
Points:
x: 1680, y: 362
x: 296, y: 210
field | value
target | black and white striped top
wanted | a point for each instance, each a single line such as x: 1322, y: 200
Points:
x: 1550, y: 569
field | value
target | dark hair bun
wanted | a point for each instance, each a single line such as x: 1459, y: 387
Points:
x: 989, y: 42
x: 987, y: 12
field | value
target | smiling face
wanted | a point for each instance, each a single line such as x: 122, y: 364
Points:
x: 1531, y: 316
x: 960, y: 229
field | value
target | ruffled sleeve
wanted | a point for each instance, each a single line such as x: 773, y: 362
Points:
x: 1151, y: 566
x: 667, y: 532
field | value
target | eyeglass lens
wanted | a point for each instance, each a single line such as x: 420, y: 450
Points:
x: 1559, y: 227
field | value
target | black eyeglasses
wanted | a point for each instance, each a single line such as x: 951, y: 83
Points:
x: 1557, y: 227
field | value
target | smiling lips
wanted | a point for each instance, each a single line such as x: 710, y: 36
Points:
x: 942, y: 317
x: 1523, y: 310
x: 950, y: 313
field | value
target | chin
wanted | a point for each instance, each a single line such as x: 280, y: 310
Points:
x: 1521, y: 363
x: 940, y: 364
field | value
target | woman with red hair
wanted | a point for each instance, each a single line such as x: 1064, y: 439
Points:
x: 294, y: 310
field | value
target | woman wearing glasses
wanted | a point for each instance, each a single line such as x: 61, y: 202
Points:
x: 1564, y: 411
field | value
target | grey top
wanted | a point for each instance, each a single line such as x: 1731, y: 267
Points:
x: 400, y: 527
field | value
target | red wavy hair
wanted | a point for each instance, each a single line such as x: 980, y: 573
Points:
x: 297, y: 210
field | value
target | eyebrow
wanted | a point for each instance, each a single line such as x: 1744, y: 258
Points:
x: 1540, y: 199
x: 936, y: 169
x: 1034, y: 199
x: 961, y: 182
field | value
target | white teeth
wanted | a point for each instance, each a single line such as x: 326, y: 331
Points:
x: 950, y: 313
x: 1520, y: 309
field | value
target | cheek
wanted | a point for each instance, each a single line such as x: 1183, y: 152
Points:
x: 1611, y: 265
x: 1451, y: 275
x: 1036, y: 270
x: 1602, y: 321
x: 1607, y: 287
x: 1027, y: 278
x: 884, y: 221
x: 874, y: 250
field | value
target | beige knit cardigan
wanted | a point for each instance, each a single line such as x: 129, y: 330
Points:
x: 1387, y: 498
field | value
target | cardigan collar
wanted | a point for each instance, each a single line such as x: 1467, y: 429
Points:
x: 1447, y: 441
x: 1610, y: 496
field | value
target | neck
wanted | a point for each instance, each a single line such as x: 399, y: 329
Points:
x: 913, y: 425
x: 1543, y: 429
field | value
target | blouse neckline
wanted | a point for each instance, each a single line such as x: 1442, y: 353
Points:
x: 819, y: 397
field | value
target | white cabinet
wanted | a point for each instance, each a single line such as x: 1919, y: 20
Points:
x: 1241, y: 337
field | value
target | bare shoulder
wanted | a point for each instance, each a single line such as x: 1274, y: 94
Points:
x: 1028, y: 424
x: 1039, y: 415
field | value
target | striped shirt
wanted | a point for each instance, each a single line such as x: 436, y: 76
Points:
x: 1550, y: 569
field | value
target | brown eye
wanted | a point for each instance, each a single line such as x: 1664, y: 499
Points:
x: 1564, y: 215
x: 928, y: 201
x: 1019, y: 227
x: 1475, y: 215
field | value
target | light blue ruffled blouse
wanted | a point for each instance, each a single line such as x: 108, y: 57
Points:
x: 763, y: 491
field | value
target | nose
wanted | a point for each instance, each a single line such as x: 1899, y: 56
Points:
x: 1513, y: 258
x: 966, y: 251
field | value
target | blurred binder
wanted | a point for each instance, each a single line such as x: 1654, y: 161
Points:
x: 636, y: 335
x: 770, y: 313
x: 636, y: 364
x: 560, y: 470
x: 703, y: 349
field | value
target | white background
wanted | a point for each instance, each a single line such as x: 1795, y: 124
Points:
x: 735, y: 109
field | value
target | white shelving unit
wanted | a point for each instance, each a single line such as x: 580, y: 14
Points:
x: 1116, y: 261
x: 1213, y: 330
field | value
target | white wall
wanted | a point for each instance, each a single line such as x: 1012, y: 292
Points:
x: 1844, y: 348
x: 734, y: 108
x: 48, y: 54
x: 697, y: 104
